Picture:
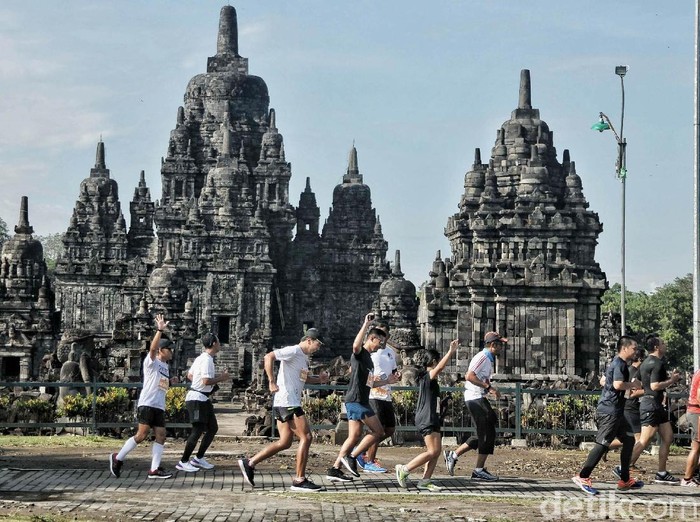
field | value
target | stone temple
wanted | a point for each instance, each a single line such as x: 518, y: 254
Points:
x: 522, y: 262
x: 225, y: 250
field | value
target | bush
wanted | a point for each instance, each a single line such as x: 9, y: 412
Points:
x: 321, y: 409
x: 112, y: 405
x: 34, y: 410
x: 175, y: 409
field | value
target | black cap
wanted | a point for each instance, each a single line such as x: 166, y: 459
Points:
x: 165, y: 343
x: 313, y: 334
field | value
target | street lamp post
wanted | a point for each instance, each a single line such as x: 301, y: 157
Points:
x: 621, y: 171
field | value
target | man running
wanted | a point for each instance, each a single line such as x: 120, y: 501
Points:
x: 286, y: 406
x: 612, y: 422
x: 359, y: 412
x: 384, y: 360
x: 477, y: 387
x: 203, y: 377
x: 151, y: 405
x: 652, y: 407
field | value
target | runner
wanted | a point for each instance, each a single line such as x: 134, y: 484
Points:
x: 203, y: 377
x: 652, y: 407
x: 151, y: 405
x: 428, y: 421
x: 286, y: 406
x: 692, y: 415
x: 384, y: 360
x: 477, y: 387
x: 612, y: 422
x: 357, y: 406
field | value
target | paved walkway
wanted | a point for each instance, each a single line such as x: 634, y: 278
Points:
x: 222, y: 495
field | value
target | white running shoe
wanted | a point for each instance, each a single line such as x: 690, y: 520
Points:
x: 201, y: 463
x: 186, y: 467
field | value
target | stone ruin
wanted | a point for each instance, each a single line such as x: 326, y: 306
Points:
x: 225, y: 250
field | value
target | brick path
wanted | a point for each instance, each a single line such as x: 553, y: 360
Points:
x: 222, y: 495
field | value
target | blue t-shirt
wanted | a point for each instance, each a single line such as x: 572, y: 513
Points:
x: 612, y: 401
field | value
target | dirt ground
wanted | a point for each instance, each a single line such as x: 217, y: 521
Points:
x: 507, y: 462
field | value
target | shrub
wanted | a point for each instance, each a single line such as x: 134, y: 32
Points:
x: 175, y: 409
x: 35, y: 410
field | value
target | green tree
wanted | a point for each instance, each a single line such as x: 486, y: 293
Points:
x: 667, y: 311
x: 53, y: 247
x: 4, y: 232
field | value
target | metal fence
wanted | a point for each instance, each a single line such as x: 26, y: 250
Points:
x: 541, y: 416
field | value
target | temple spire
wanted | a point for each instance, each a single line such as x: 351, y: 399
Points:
x: 23, y: 227
x: 273, y: 120
x: 396, y: 272
x: 100, y: 155
x: 227, y: 40
x: 353, y: 173
x: 524, y: 101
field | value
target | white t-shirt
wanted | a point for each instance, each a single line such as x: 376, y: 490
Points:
x: 156, y: 381
x: 202, y: 368
x: 482, y: 365
x: 294, y: 367
x: 384, y: 361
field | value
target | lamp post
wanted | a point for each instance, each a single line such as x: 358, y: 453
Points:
x: 621, y: 171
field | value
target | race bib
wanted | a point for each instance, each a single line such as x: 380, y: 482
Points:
x: 303, y: 375
x: 380, y: 391
x: 370, y: 380
x: 164, y: 383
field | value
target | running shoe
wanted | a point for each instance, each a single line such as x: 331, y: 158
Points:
x: 450, y: 462
x: 630, y: 484
x: 664, y: 477
x: 484, y: 475
x: 361, y: 460
x: 371, y: 467
x: 617, y: 471
x: 350, y: 464
x: 401, y: 475
x: 335, y: 475
x: 689, y: 483
x: 186, y: 467
x: 115, y: 465
x: 248, y: 471
x: 306, y: 485
x: 429, y: 485
x: 159, y: 473
x: 201, y: 463
x: 585, y: 485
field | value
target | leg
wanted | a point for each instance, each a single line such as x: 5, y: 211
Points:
x: 592, y: 461
x: 645, y: 437
x: 157, y: 452
x: 691, y: 463
x: 666, y: 434
x: 373, y: 437
x: 211, y: 430
x: 284, y: 442
x: 131, y: 444
x: 197, y: 430
x: 300, y: 427
x: 372, y: 450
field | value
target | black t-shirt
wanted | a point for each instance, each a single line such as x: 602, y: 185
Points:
x: 652, y: 370
x: 361, y: 367
x: 612, y: 401
x: 633, y: 404
x: 426, y: 407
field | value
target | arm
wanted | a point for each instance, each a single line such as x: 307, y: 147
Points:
x: 624, y: 385
x: 662, y: 385
x: 360, y: 337
x: 269, y: 361
x: 215, y: 380
x: 443, y: 362
x: 161, y: 324
x: 322, y: 378
x: 391, y: 379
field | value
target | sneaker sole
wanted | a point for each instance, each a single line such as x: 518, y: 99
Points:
x: 306, y: 490
x: 195, y: 470
x: 337, y: 479
x: 202, y: 466
x: 111, y: 466
x: 668, y: 482
x: 346, y: 463
x: 592, y: 491
x: 245, y: 475
x: 155, y: 477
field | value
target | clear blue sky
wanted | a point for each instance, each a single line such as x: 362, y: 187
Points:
x: 416, y: 85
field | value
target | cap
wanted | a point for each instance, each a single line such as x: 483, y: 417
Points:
x: 165, y: 343
x: 494, y: 336
x: 312, y: 333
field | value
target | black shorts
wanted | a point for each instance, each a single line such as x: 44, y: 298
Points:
x: 633, y: 420
x: 153, y: 417
x: 384, y: 411
x: 654, y: 418
x: 427, y: 430
x: 286, y: 413
x: 611, y: 427
x: 200, y: 412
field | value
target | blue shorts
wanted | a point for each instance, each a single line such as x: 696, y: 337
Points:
x: 357, y: 411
